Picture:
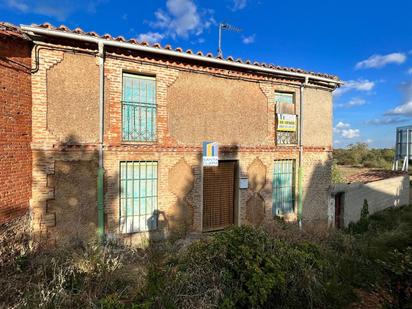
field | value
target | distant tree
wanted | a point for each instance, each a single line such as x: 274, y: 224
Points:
x: 336, y: 174
x: 360, y: 155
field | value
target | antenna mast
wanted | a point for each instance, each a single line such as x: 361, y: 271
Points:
x: 225, y: 26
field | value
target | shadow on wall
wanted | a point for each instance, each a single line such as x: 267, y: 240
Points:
x: 380, y: 194
x: 176, y: 220
x: 317, y: 181
x: 69, y: 213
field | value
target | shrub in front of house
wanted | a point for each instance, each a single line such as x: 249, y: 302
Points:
x: 245, y: 267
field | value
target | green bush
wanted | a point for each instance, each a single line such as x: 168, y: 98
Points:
x: 245, y: 267
x: 362, y: 225
x: 398, y: 267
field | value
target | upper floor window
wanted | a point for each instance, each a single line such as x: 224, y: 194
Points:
x: 284, y: 97
x: 138, y: 108
x: 286, y: 119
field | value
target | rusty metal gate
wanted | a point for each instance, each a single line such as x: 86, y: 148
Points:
x: 219, y: 196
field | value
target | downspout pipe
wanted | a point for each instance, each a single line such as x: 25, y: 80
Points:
x: 100, y: 172
x: 172, y: 53
x: 300, y: 168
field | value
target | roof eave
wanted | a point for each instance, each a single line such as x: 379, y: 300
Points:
x: 87, y: 38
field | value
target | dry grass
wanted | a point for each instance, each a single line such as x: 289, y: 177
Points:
x: 347, y: 170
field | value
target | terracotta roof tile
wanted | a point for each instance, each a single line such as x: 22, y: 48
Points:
x: 373, y: 175
x: 179, y: 49
x: 120, y: 39
x: 12, y: 31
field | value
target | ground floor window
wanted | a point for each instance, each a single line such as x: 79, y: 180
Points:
x: 138, y: 196
x: 283, y: 187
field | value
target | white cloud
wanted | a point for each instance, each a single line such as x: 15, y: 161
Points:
x: 409, y: 71
x: 344, y: 130
x: 379, y: 61
x: 18, y: 5
x: 356, y: 102
x: 369, y: 141
x: 59, y: 10
x: 350, y: 133
x: 358, y: 85
x: 352, y: 103
x: 151, y: 37
x: 386, y: 121
x: 248, y: 39
x: 404, y: 109
x: 238, y: 5
x: 342, y: 125
x: 182, y: 19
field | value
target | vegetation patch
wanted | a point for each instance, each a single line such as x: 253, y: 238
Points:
x: 276, y: 266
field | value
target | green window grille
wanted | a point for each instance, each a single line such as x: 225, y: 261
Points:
x: 139, y: 108
x: 283, y: 187
x: 138, y: 196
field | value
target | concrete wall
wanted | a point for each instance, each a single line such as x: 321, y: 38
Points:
x: 193, y: 103
x: 15, y: 127
x: 391, y: 192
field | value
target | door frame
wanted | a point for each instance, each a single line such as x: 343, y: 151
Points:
x: 339, y: 222
x: 236, y: 194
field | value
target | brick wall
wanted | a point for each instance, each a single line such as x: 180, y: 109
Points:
x: 15, y: 127
x: 168, y: 151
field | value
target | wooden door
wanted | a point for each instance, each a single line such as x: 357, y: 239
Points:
x: 218, y: 196
x: 338, y: 209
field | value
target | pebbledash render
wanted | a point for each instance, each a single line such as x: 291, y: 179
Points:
x: 122, y: 155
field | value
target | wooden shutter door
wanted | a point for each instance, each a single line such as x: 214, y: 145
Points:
x: 218, y: 196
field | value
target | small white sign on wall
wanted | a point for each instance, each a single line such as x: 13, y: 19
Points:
x: 243, y: 183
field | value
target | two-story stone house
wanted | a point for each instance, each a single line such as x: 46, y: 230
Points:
x: 118, y: 128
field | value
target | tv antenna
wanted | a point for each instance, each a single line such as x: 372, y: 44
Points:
x: 225, y: 26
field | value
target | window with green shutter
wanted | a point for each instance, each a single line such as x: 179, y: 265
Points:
x: 138, y: 196
x: 283, y: 187
x: 138, y: 108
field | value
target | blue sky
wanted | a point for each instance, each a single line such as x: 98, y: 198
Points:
x: 368, y: 44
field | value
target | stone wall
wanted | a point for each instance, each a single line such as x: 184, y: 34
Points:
x: 58, y: 198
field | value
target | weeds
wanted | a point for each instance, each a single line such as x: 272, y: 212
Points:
x: 243, y: 267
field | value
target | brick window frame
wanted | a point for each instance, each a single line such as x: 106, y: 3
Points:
x: 283, y: 187
x: 138, y: 108
x: 285, y: 105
